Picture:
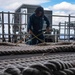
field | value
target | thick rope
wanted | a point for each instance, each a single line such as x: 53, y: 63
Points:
x: 35, y: 36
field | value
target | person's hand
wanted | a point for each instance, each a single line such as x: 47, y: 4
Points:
x: 30, y: 32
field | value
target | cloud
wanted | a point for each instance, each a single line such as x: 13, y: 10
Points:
x: 63, y: 8
x: 66, y: 7
x: 13, y: 4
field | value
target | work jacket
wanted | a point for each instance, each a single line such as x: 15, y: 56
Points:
x: 36, y: 23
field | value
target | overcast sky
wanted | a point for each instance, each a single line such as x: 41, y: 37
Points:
x: 64, y: 7
x: 57, y: 6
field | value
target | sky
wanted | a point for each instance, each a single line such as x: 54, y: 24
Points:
x: 57, y: 6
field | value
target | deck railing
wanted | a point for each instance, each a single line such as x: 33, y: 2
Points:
x: 15, y: 24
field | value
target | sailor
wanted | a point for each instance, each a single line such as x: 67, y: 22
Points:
x: 35, y: 25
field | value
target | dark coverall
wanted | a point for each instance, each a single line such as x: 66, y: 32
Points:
x: 35, y: 24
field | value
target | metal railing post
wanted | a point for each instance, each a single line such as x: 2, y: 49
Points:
x: 69, y: 28
x: 59, y: 29
x: 9, y: 38
x: 3, y: 39
x: 65, y: 31
x: 20, y: 15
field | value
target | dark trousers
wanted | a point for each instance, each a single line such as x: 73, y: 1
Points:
x: 34, y: 40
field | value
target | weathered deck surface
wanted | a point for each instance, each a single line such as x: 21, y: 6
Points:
x: 36, y: 49
x: 18, y: 47
x: 14, y: 54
